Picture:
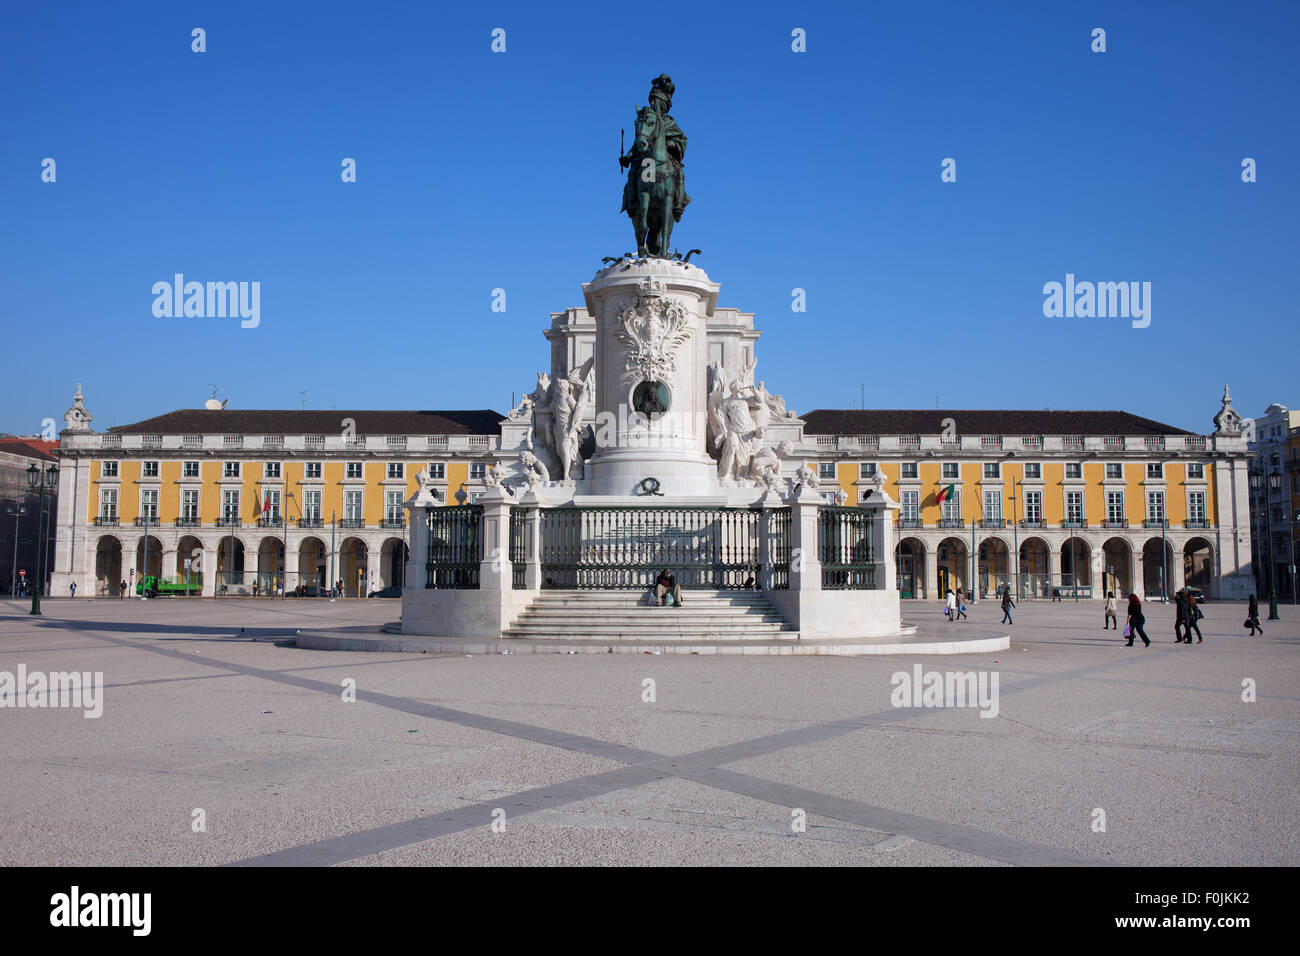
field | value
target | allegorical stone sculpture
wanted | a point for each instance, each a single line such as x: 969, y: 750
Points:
x: 655, y: 195
x: 555, y: 408
x: 739, y: 413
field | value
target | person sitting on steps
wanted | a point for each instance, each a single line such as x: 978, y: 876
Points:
x: 666, y: 583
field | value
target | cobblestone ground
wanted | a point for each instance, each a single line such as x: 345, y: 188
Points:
x: 735, y: 760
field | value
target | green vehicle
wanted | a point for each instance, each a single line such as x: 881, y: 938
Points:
x: 153, y: 586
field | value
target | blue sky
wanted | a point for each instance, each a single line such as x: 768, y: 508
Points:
x: 816, y: 170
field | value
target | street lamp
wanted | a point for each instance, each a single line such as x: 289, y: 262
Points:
x: 1274, y: 484
x: 39, y: 480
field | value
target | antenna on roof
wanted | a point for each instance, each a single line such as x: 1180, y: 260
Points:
x: 302, y: 397
x: 215, y: 404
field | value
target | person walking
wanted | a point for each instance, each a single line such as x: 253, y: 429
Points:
x: 1180, y: 618
x: 950, y: 606
x: 1110, y: 618
x: 961, y: 606
x: 73, y: 588
x: 1056, y: 595
x: 1007, y: 605
x: 1133, y: 626
x: 1193, y: 615
x: 1252, y: 617
x: 121, y: 590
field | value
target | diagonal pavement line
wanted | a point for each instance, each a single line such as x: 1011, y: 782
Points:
x: 644, y: 761
x: 354, y: 846
x: 964, y: 839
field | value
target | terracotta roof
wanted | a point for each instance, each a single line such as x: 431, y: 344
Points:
x: 235, y: 421
x: 982, y: 421
x: 30, y: 447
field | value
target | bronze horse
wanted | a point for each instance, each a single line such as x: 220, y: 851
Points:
x: 655, y: 178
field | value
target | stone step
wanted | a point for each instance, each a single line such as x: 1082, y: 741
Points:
x: 615, y: 632
x: 624, y: 615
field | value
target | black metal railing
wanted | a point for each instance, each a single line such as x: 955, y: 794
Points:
x: 106, y: 521
x: 518, y: 547
x: 393, y: 523
x: 188, y: 521
x: 910, y: 523
x: 455, y: 547
x: 1033, y: 523
x: 1197, y: 523
x: 1074, y: 523
x: 310, y: 523
x: 269, y: 521
x: 993, y: 522
x: 844, y: 548
x: 952, y: 523
x: 1155, y: 523
x: 352, y: 522
x: 229, y: 522
x: 778, y: 549
x: 1115, y: 523
x: 626, y: 547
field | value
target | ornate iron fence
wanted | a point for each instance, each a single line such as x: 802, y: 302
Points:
x: 455, y: 547
x: 518, y: 546
x: 627, y: 547
x: 778, y: 548
x: 844, y: 548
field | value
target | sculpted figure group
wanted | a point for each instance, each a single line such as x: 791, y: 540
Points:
x: 739, y: 414
x: 555, y: 408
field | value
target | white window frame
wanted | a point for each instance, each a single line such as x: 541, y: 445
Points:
x: 230, y: 469
x: 313, y: 470
x: 950, y: 471
x: 1037, y: 470
x: 108, y: 503
x: 1196, y: 506
x: 271, y: 469
x: 149, y: 469
x: 438, y: 470
x: 395, y: 470
x: 866, y: 469
x: 311, y: 504
x: 1074, y: 505
x: 149, y: 504
x: 349, y: 497
x: 393, y: 506
x: 477, y: 470
x: 1115, y: 506
x: 191, y: 469
x: 354, y: 470
x: 911, y: 505
x: 1033, y: 506
x: 992, y: 469
x: 1155, y: 470
x: 1156, y: 498
x: 908, y: 469
x: 992, y: 506
x: 230, y: 505
x: 1118, y: 466
x: 108, y: 469
x: 190, y: 495
x: 1076, y: 467
x: 950, y: 508
x: 1196, y: 469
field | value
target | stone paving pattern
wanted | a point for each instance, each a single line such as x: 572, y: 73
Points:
x: 588, y: 773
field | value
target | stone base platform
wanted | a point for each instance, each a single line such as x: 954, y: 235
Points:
x: 392, y: 641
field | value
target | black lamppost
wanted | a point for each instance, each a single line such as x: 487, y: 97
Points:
x: 39, y: 481
x: 1273, y: 483
x: 17, y: 511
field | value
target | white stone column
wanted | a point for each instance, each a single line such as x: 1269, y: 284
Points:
x: 533, y: 540
x: 495, y: 569
x: 883, y: 510
x: 805, y: 557
x: 766, y: 545
x: 1053, y: 567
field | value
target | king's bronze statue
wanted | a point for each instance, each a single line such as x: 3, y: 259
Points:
x: 655, y: 195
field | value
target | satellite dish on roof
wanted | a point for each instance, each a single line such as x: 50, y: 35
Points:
x: 215, y: 404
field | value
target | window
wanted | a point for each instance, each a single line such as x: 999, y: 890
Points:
x: 108, y: 503
x: 477, y: 470
x: 476, y: 495
x: 189, y: 469
x: 1033, y: 506
x: 911, y: 510
x: 1155, y: 505
x: 1033, y: 469
x: 1196, y: 506
x: 992, y: 469
x: 190, y: 504
x: 108, y: 469
x: 149, y: 504
x: 274, y: 513
x: 908, y: 469
x: 1114, y: 469
x: 230, y: 469
x: 396, y: 469
x: 271, y: 469
x: 952, y: 507
x: 437, y: 469
x: 1155, y: 469
x: 867, y: 469
x: 950, y: 469
x: 1073, y: 469
x: 1074, y: 506
x: 992, y: 505
x: 311, y: 505
x: 311, y: 469
x: 230, y: 504
x: 1196, y: 469
x: 393, y: 508
x: 352, y: 506
x: 352, y: 470
x: 150, y: 469
x: 1114, y: 506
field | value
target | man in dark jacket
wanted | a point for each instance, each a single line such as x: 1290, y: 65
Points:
x: 667, y: 584
x: 1181, y: 618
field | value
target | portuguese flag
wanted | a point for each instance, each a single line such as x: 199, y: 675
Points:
x: 945, y: 494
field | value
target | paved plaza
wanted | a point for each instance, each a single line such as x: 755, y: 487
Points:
x: 206, y: 707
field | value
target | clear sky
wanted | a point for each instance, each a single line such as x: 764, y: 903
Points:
x: 817, y: 170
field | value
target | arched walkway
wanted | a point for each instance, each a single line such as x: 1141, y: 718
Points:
x: 1034, y: 570
x: 1117, y: 567
x: 952, y: 565
x: 1198, y: 564
x: 1076, y: 565
x: 1154, y: 582
x: 108, y: 564
x: 186, y: 550
x: 313, y: 563
x: 392, y: 561
x: 994, y: 566
x: 353, y: 567
x: 148, y: 559
x: 270, y: 565
x: 910, y: 555
x: 230, y: 566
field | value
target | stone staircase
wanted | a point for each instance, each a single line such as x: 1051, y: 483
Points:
x: 625, y: 616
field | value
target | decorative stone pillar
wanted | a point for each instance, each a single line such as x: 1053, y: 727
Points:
x: 495, y: 569
x: 209, y: 572
x: 883, y: 510
x: 805, y: 557
x: 1053, y: 569
x: 417, y: 509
